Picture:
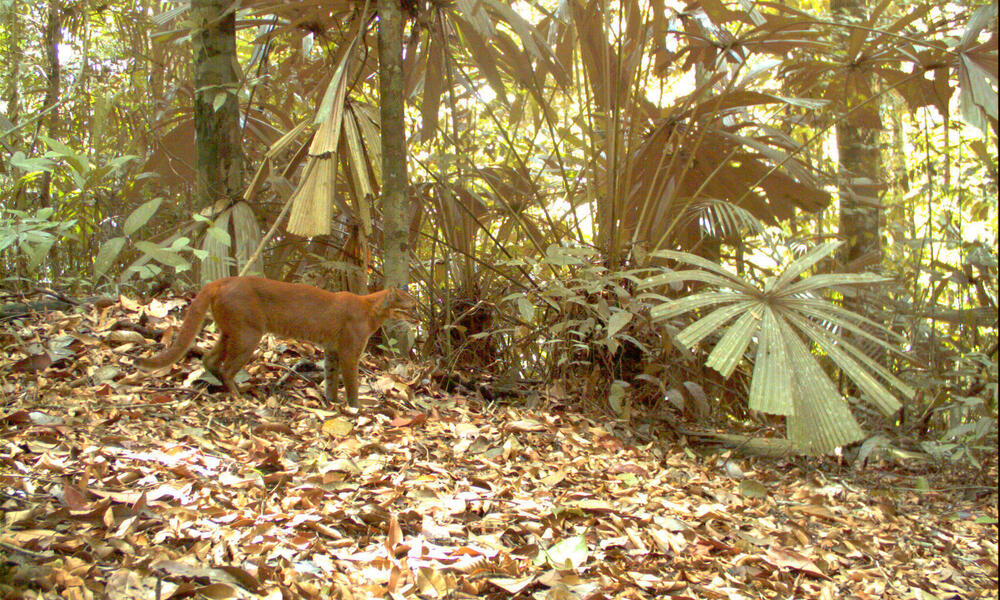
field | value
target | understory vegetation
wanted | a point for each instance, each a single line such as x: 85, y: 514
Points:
x: 764, y: 227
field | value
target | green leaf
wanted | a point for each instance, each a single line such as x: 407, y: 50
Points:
x: 181, y: 243
x: 96, y: 174
x: 857, y: 373
x: 854, y: 330
x: 119, y: 162
x: 37, y: 252
x: 57, y: 146
x: 560, y: 255
x: 141, y: 215
x: 616, y: 398
x: 31, y: 165
x: 787, y: 377
x: 166, y: 256
x: 824, y: 310
x: 220, y: 235
x: 617, y: 321
x: 79, y: 181
x: 107, y: 254
x: 570, y: 553
x: 750, y: 488
x: 526, y: 308
x: 219, y: 100
x: 826, y: 280
x: 78, y: 162
x: 725, y: 219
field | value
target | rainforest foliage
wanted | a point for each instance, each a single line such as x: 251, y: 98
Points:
x: 777, y: 214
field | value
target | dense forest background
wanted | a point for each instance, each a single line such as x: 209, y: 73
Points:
x: 558, y: 153
x: 767, y: 225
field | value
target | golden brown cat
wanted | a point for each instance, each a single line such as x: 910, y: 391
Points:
x: 244, y: 308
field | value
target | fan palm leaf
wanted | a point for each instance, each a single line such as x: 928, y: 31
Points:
x: 787, y: 319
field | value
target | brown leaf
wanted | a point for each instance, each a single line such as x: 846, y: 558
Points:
x: 787, y: 559
x: 525, y: 425
x: 394, y: 535
x: 33, y: 363
x: 410, y: 420
x: 76, y: 499
x: 816, y: 511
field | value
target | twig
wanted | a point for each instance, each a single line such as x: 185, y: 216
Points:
x: 57, y: 295
x: 289, y: 371
x: 14, y: 548
x: 194, y: 391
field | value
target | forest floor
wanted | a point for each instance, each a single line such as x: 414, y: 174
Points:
x: 125, y: 486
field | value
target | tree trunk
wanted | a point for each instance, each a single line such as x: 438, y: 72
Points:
x: 860, y: 168
x: 217, y: 136
x: 53, y: 75
x: 860, y: 179
x: 157, y: 52
x: 218, y: 156
x: 12, y: 72
x: 395, y: 207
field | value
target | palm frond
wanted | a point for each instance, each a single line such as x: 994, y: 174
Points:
x: 671, y: 308
x: 772, y: 389
x: 858, y: 367
x: 729, y: 351
x: 696, y: 275
x: 822, y: 421
x: 725, y: 220
x: 824, y: 310
x: 802, y: 264
x: 706, y: 326
x: 786, y: 318
x: 702, y: 262
x: 825, y: 280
